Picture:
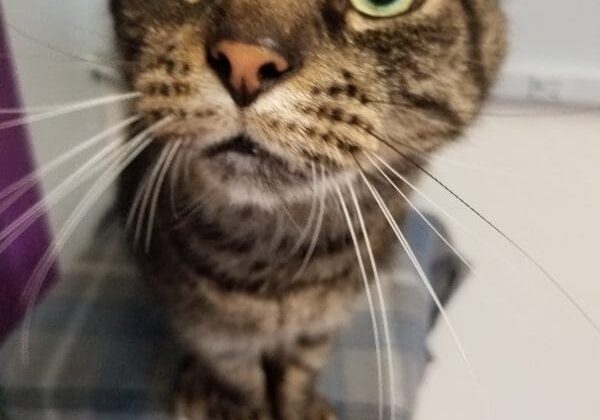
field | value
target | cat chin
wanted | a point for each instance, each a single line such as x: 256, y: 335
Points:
x: 243, y: 177
x: 271, y: 196
x: 258, y: 191
x: 261, y: 198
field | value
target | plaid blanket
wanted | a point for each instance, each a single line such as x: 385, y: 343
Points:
x: 98, y: 349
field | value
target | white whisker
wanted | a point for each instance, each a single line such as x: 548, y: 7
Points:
x: 175, y: 179
x: 503, y: 173
x: 459, y: 254
x: 548, y: 276
x: 427, y: 283
x: 277, y: 232
x: 311, y: 214
x: 131, y: 217
x: 382, y: 304
x: 40, y: 272
x: 147, y: 196
x: 13, y: 230
x: 464, y: 228
x: 286, y: 211
x: 20, y: 111
x: 437, y: 206
x: 315, y: 239
x: 92, y: 168
x: 17, y: 189
x: 69, y: 110
x: 369, y: 296
x: 159, y: 184
x: 44, y: 108
x: 91, y: 59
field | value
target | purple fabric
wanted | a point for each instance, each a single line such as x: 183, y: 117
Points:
x: 19, y: 260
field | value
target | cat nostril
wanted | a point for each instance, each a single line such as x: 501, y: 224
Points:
x: 220, y: 63
x: 270, y: 72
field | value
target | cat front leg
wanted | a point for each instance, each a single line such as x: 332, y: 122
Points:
x: 227, y: 386
x: 291, y: 375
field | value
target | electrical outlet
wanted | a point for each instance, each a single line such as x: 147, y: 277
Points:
x: 545, y: 89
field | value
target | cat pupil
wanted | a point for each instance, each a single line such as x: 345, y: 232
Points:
x: 383, y: 2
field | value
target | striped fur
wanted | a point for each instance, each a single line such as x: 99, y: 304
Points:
x: 225, y: 260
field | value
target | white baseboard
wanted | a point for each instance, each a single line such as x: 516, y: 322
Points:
x: 560, y: 87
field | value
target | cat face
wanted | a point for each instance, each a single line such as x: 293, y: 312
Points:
x: 265, y: 91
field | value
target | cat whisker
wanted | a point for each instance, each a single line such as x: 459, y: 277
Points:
x: 174, y: 148
x: 93, y: 60
x: 489, y: 111
x: 44, y: 108
x: 104, y: 162
x: 19, y: 111
x: 147, y: 195
x: 427, y: 284
x: 556, y: 284
x: 69, y: 109
x: 506, y: 173
x: 10, y: 194
x: 435, y: 204
x: 185, y: 172
x: 315, y: 238
x: 311, y: 215
x: 289, y: 216
x: 503, y: 173
x: 447, y: 111
x: 23, y: 222
x: 133, y: 210
x: 369, y: 296
x: 522, y: 319
x: 175, y: 179
x: 134, y: 148
x: 277, y: 232
x: 380, y: 297
x: 425, y: 219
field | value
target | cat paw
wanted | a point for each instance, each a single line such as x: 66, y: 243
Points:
x: 320, y: 409
x: 198, y: 397
x: 202, y: 409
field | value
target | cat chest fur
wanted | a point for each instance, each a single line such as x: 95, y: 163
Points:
x: 249, y: 272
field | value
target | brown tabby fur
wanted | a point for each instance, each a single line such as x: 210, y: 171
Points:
x: 222, y: 261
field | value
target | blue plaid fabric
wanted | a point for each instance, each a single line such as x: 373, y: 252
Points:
x: 98, y: 349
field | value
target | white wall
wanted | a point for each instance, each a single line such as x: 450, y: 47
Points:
x: 49, y: 77
x: 555, y: 50
x: 534, y: 173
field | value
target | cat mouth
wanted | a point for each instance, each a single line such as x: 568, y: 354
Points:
x: 240, y: 145
x: 242, y: 159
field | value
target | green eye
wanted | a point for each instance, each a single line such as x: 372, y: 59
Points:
x: 382, y: 8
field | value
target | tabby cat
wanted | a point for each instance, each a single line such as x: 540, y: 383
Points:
x: 272, y: 119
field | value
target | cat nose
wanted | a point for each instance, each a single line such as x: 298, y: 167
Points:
x: 246, y: 69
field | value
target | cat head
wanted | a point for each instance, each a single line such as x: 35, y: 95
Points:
x: 266, y: 93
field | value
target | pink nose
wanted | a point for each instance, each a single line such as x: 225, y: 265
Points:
x: 246, y: 68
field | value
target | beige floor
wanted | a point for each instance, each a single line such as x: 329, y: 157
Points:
x: 535, y: 172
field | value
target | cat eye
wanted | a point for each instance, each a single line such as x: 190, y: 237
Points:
x: 382, y: 8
